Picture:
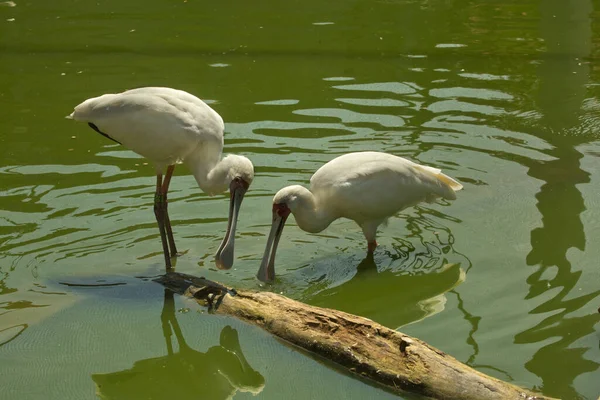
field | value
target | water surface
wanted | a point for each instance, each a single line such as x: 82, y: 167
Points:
x: 501, y: 95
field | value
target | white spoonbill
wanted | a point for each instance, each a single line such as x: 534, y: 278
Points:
x: 168, y: 127
x: 366, y: 187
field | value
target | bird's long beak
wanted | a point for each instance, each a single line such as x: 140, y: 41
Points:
x: 224, y: 256
x: 266, y: 272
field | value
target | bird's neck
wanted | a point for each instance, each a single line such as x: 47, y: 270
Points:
x: 311, y: 216
x: 210, y: 172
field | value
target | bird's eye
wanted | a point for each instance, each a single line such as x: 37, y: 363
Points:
x: 281, y: 209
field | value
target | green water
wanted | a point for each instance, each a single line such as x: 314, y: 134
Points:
x: 501, y: 95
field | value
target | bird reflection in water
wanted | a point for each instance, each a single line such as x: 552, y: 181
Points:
x: 416, y: 276
x: 218, y: 373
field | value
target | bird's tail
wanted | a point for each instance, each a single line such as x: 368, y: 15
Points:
x: 444, y: 186
x: 453, y: 183
x: 447, y: 186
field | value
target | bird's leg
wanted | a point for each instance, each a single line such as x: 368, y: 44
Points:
x: 370, y: 231
x: 371, y: 246
x: 165, y: 189
x: 159, y: 212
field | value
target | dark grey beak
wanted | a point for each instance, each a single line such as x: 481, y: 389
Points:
x: 266, y: 272
x: 225, y: 254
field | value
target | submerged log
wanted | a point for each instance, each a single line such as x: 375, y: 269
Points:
x: 398, y: 362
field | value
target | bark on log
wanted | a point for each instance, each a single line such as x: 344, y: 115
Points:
x: 398, y: 362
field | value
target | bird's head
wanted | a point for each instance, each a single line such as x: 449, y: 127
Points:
x: 289, y: 199
x: 241, y: 170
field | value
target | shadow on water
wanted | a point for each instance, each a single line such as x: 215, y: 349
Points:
x: 218, y: 373
x: 447, y: 246
x: 474, y: 320
x: 3, y: 288
x: 566, y: 28
x: 413, y: 286
x: 409, y: 297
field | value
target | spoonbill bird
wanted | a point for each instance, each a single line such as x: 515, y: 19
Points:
x: 366, y: 187
x: 169, y: 127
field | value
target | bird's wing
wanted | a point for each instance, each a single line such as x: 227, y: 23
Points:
x: 374, y: 185
x: 161, y: 124
x: 445, y: 179
x: 170, y: 93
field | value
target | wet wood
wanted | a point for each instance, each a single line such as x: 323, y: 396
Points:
x: 398, y: 362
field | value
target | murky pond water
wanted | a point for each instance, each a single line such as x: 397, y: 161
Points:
x: 501, y: 95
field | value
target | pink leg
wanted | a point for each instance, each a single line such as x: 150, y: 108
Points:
x: 370, y: 231
x: 372, y: 246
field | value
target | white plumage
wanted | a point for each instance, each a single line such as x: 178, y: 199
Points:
x: 366, y: 187
x: 168, y: 127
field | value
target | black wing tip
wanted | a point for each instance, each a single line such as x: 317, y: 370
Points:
x: 94, y: 127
